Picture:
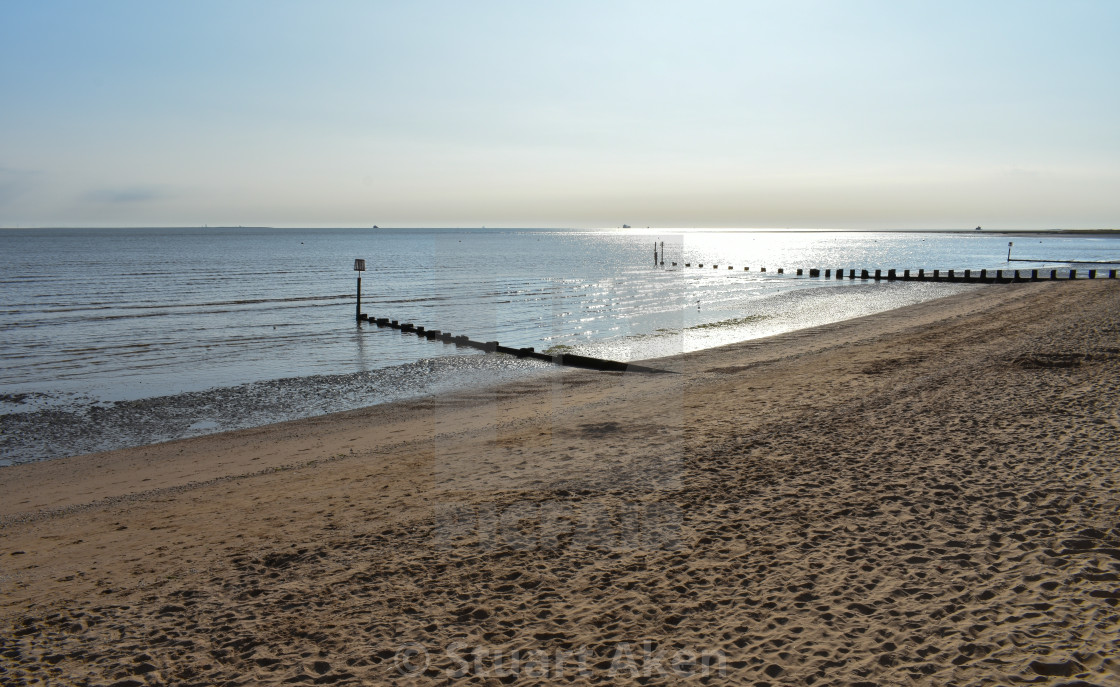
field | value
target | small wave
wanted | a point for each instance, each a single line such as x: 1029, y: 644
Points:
x: 733, y: 322
x: 82, y: 426
x: 192, y: 306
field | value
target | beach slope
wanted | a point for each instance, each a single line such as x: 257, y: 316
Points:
x: 923, y: 496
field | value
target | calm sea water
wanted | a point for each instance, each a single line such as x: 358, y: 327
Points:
x: 117, y: 337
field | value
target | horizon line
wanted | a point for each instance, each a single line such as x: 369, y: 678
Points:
x: 623, y: 228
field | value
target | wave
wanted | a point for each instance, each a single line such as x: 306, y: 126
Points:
x: 53, y: 427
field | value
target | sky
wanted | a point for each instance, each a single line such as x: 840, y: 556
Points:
x: 440, y: 113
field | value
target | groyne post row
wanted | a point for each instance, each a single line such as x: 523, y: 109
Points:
x: 567, y: 359
x: 984, y: 276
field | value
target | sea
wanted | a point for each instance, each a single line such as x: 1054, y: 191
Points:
x: 124, y: 337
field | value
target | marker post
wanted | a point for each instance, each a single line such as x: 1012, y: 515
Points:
x: 359, y: 267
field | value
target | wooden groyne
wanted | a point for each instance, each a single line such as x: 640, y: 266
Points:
x: 968, y: 276
x: 984, y: 276
x: 566, y: 359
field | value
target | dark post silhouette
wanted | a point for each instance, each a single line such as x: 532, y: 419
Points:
x: 359, y: 267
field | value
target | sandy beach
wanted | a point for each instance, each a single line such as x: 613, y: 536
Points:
x: 924, y: 496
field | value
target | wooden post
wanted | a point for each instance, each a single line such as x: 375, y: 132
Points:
x: 1073, y: 274
x: 1092, y: 274
x: 359, y: 267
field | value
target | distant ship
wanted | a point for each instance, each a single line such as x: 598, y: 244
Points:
x: 976, y: 229
x: 625, y: 226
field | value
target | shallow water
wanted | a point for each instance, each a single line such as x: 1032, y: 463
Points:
x: 96, y: 319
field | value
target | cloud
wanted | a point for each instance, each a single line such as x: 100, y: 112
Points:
x: 126, y: 195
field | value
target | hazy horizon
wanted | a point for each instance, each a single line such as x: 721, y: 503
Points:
x: 865, y: 114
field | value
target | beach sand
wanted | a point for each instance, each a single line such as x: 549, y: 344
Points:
x: 924, y: 496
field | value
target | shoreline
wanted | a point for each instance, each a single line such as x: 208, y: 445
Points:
x: 48, y: 431
x: 889, y: 498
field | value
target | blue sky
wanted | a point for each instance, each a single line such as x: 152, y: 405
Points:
x: 792, y: 113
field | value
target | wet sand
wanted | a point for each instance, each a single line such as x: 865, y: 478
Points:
x: 924, y: 496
